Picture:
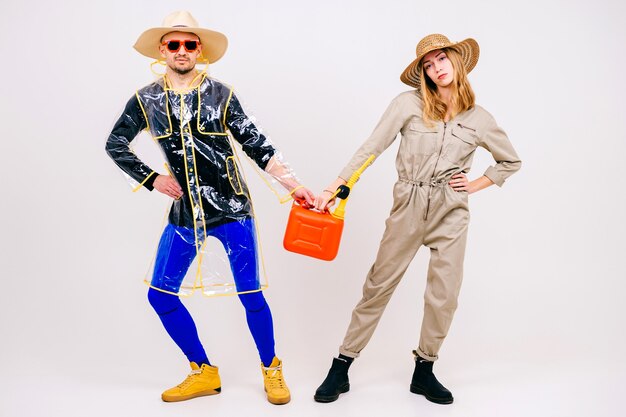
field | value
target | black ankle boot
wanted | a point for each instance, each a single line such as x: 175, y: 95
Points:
x: 336, y: 382
x: 425, y: 383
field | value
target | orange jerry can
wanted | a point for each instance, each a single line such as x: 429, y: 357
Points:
x: 312, y: 233
x: 316, y: 234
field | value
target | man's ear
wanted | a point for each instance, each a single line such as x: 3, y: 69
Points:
x: 162, y: 51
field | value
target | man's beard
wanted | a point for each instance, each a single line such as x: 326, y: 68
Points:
x: 182, y: 71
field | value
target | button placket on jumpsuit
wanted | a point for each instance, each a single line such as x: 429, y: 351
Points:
x: 426, y: 211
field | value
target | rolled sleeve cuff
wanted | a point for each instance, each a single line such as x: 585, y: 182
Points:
x: 494, y: 175
x: 346, y: 174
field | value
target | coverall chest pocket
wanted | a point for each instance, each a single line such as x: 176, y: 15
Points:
x: 422, y: 139
x: 462, y: 143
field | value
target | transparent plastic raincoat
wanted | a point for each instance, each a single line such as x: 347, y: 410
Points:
x: 215, y: 212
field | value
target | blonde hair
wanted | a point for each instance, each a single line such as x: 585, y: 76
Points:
x: 463, y: 97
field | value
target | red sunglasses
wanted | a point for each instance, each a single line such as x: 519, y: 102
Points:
x: 174, y: 45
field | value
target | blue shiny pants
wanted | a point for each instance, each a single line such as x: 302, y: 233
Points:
x: 175, y: 254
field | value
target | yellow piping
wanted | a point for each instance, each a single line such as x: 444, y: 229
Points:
x: 195, y: 167
x: 183, y: 90
x: 149, y: 282
x: 137, y: 188
x: 191, y: 200
x: 230, y: 179
x: 158, y: 61
x: 179, y: 293
x: 169, y: 171
x: 200, y: 74
x: 256, y: 223
x: 223, y: 120
x: 230, y: 96
x: 235, y: 293
x: 281, y: 199
x: 145, y: 116
x: 169, y: 130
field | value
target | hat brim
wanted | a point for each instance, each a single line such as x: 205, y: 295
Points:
x: 213, y: 43
x: 468, y: 49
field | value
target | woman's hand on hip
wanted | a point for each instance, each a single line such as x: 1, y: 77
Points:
x: 459, y: 182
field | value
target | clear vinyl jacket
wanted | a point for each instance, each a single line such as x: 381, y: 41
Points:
x: 210, y: 240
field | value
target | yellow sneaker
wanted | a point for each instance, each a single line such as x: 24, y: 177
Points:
x: 275, y: 386
x: 201, y: 381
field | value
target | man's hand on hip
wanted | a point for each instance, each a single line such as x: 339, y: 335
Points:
x: 168, y: 186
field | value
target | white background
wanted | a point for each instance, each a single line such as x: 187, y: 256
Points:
x: 540, y: 327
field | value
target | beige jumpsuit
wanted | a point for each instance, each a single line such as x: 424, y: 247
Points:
x: 426, y: 211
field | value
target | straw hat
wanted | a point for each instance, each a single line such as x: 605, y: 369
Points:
x: 468, y: 49
x: 213, y: 43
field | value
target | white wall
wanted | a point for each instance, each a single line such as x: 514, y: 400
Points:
x: 544, y: 279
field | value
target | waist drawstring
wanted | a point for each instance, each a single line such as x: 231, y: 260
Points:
x: 432, y: 184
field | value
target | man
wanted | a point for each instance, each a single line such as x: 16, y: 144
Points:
x: 189, y: 115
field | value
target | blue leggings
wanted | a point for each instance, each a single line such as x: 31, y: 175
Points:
x: 174, y: 256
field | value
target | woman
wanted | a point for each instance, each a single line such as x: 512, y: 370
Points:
x: 441, y: 128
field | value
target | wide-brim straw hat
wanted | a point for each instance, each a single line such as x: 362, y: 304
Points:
x: 468, y: 49
x: 213, y: 43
